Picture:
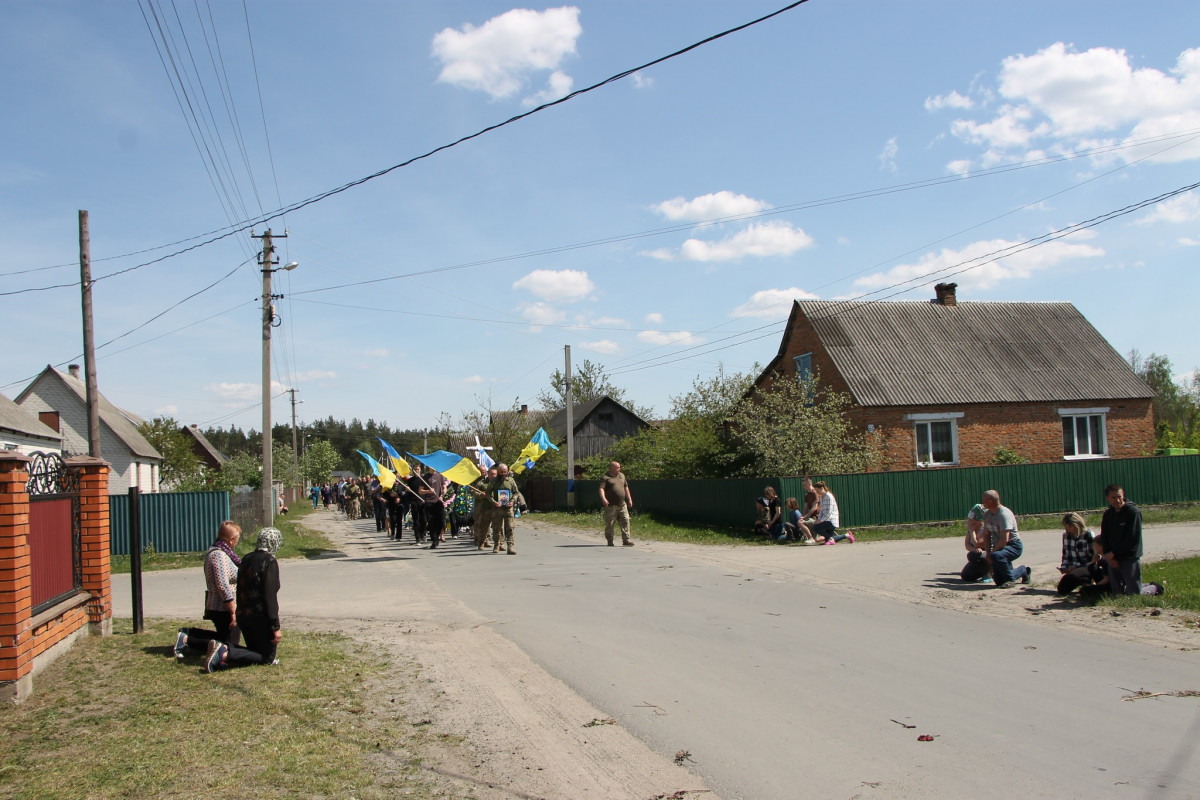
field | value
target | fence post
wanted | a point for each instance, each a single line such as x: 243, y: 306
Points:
x: 94, y: 546
x: 135, y: 556
x: 16, y: 581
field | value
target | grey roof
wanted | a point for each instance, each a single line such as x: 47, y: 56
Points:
x: 557, y: 426
x: 18, y: 420
x: 918, y: 354
x: 215, y: 455
x: 118, y: 421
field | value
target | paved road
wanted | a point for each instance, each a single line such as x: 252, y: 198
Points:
x: 791, y: 680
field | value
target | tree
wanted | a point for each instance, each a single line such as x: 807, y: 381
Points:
x: 241, y: 469
x: 181, y: 468
x: 800, y: 428
x: 320, y: 460
x: 282, y: 467
x: 589, y: 382
x: 1176, y: 405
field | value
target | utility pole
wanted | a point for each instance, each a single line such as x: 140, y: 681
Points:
x: 89, y: 344
x: 570, y: 432
x: 295, y: 453
x: 267, y: 263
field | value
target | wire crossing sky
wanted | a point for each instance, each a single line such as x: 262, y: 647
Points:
x: 662, y: 226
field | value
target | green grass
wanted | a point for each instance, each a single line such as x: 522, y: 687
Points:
x: 116, y: 717
x: 1180, y: 576
x: 298, y: 542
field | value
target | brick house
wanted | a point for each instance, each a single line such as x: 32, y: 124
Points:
x: 60, y: 401
x: 947, y: 383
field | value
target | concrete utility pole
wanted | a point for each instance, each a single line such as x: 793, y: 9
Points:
x: 570, y: 432
x: 295, y: 453
x: 89, y: 344
x: 268, y: 321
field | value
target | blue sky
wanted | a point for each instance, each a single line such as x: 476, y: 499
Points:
x: 660, y: 225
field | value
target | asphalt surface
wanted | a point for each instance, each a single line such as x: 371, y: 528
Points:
x: 795, y: 672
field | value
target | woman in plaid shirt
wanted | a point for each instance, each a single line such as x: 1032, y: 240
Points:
x: 1080, y: 557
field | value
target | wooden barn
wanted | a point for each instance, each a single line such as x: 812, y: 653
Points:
x: 598, y: 424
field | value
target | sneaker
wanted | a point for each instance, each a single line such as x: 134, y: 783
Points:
x: 1028, y: 576
x: 850, y: 536
x: 783, y: 538
x: 1005, y: 585
x: 180, y: 644
x: 986, y: 579
x: 830, y: 541
x: 216, y: 654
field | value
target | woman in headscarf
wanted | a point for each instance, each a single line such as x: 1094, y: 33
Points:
x: 257, y: 608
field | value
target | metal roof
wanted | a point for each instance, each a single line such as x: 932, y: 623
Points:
x: 919, y: 354
x: 18, y: 420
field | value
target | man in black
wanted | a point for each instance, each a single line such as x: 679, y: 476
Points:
x: 1121, y: 542
x: 435, y: 513
x: 257, y: 608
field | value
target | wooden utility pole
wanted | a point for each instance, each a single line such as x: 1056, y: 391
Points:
x: 570, y: 432
x: 295, y: 453
x: 89, y: 345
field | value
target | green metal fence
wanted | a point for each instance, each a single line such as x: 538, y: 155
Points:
x: 174, y: 522
x: 891, y: 498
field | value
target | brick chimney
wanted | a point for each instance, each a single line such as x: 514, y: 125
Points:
x: 524, y: 408
x: 74, y: 370
x: 945, y: 294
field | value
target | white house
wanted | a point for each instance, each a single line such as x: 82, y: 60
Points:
x: 24, y: 432
x: 60, y: 401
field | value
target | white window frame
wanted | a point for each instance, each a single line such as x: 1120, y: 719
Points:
x: 919, y: 420
x: 1076, y: 413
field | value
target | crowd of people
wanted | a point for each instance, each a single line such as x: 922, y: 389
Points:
x: 817, y: 522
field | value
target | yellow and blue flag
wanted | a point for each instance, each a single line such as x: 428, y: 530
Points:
x: 386, y: 477
x: 400, y: 466
x: 538, y: 446
x: 453, y: 466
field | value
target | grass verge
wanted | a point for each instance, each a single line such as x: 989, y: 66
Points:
x: 1180, y: 576
x: 116, y: 717
x: 298, y: 542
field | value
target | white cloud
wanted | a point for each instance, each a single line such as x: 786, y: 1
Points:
x: 1189, y: 242
x: 654, y: 318
x: 603, y: 346
x: 379, y: 352
x: 960, y: 167
x: 235, y: 391
x: 499, y: 56
x: 316, y: 375
x: 558, y: 86
x: 169, y: 410
x: 1065, y: 101
x: 563, y: 286
x: 669, y: 337
x: 474, y: 379
x: 1019, y: 266
x: 542, y: 314
x: 614, y: 322
x: 760, y: 239
x: 771, y: 303
x: 640, y: 81
x: 709, y: 206
x: 1181, y: 208
x: 952, y: 100
x: 887, y: 157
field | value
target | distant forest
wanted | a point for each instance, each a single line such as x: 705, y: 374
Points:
x: 346, y: 438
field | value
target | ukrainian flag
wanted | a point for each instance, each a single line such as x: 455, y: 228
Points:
x: 538, y: 446
x: 387, y: 478
x: 453, y: 466
x: 398, y: 464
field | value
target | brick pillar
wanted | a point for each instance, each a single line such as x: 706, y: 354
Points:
x: 16, y: 588
x: 94, y: 540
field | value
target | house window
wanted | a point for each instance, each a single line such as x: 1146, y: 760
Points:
x: 804, y: 367
x: 1084, y: 434
x: 936, y: 438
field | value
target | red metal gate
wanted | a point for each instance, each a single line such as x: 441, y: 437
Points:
x: 56, y: 569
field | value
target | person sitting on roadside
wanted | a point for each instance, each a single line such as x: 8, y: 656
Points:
x: 977, y: 569
x: 794, y: 527
x: 257, y: 608
x: 1003, y: 542
x: 760, y: 516
x: 220, y: 600
x: 1080, y: 557
x: 828, y: 518
x: 774, y: 514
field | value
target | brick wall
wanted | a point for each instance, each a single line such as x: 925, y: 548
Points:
x: 1033, y: 430
x: 27, y: 644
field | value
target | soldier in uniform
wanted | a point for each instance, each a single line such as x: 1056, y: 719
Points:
x: 353, y: 493
x: 483, y: 510
x: 502, y: 491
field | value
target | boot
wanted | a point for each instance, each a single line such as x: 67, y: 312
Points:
x: 509, y: 540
